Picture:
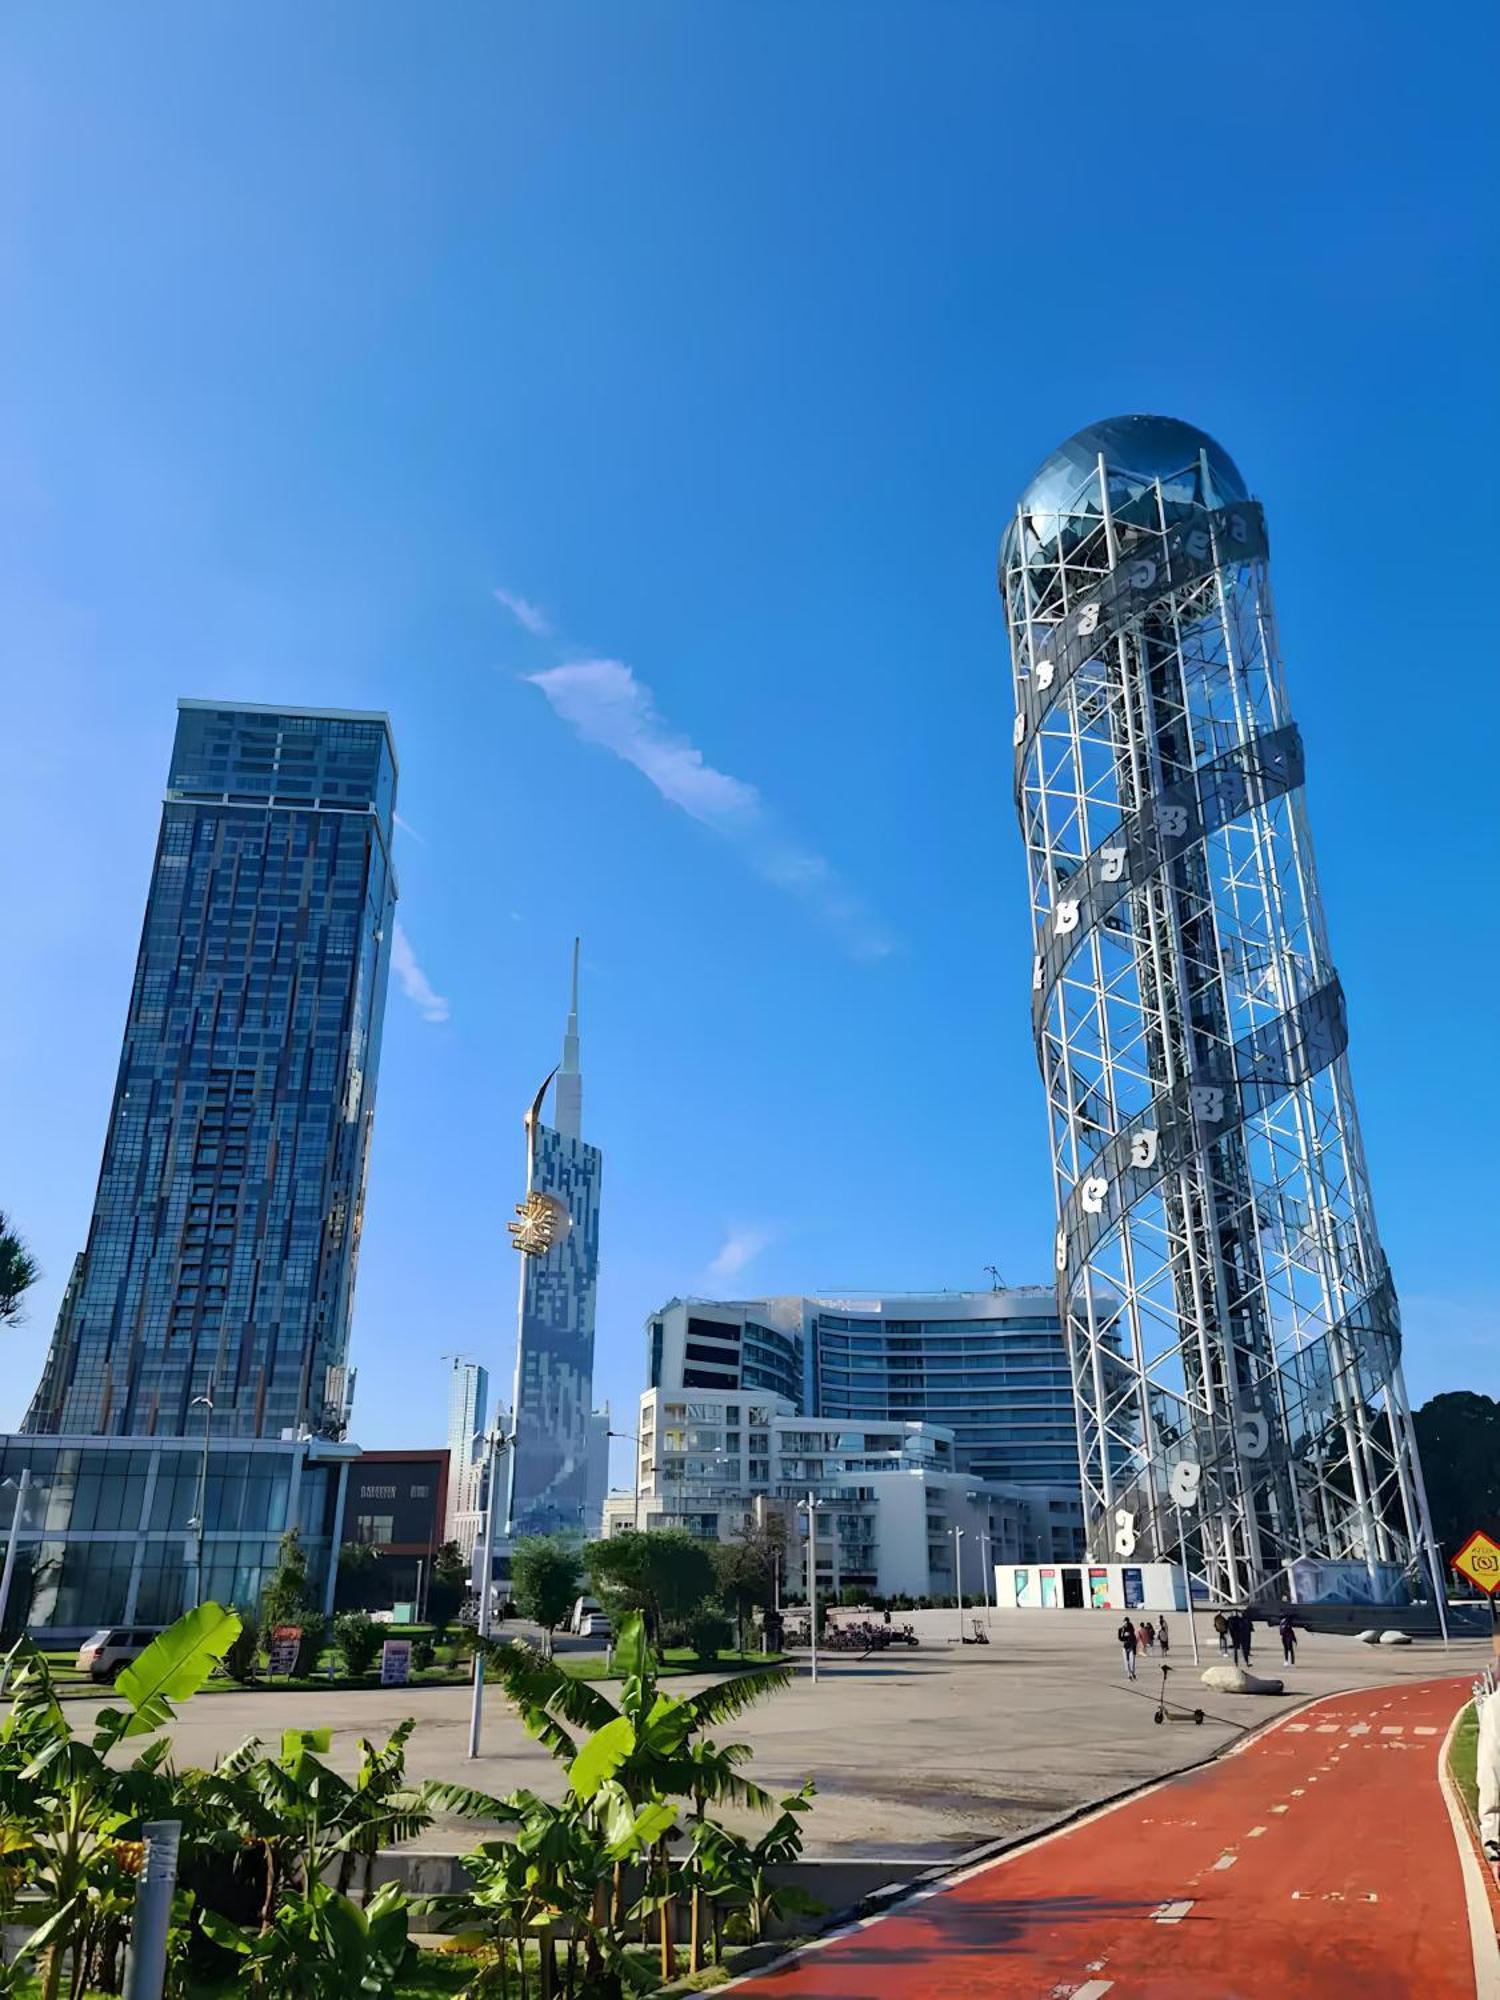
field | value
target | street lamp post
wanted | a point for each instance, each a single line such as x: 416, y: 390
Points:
x: 635, y: 1484
x: 496, y: 1444
x: 206, y: 1404
x: 958, y: 1577
x: 987, y: 1551
x: 810, y: 1507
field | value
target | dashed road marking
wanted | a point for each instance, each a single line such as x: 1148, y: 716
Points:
x: 1328, y: 1729
x: 1255, y: 1833
x: 1095, y: 1990
x: 1226, y: 1861
x: 1297, y: 1792
x: 1390, y: 1728
x: 1423, y: 1729
x: 1172, y: 1913
x: 1296, y: 1729
x: 1279, y: 1808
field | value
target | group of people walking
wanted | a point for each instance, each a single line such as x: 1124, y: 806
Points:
x: 1236, y: 1630
x: 1142, y: 1638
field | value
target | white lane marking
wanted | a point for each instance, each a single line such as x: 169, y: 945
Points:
x: 1296, y: 1729
x: 1255, y: 1833
x: 1360, y: 1729
x: 1390, y: 1728
x: 1423, y: 1729
x: 1297, y: 1792
x: 1172, y: 1913
x: 1328, y: 1729
x: 1279, y: 1808
x: 1095, y: 1990
x: 1226, y: 1861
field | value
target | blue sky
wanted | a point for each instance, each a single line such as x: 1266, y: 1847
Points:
x: 719, y: 339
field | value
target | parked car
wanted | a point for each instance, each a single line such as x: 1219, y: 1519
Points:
x: 105, y: 1654
x: 597, y: 1626
x: 584, y: 1609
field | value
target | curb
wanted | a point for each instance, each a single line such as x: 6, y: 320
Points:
x: 1484, y: 1939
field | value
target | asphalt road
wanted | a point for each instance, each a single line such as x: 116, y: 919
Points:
x: 1316, y: 1861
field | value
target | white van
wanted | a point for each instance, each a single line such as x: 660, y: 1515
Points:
x: 585, y: 1609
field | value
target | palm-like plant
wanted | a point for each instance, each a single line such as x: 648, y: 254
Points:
x: 646, y: 1746
x: 77, y: 1813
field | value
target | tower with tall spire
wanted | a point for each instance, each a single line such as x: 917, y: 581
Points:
x: 567, y: 1099
x: 550, y: 1484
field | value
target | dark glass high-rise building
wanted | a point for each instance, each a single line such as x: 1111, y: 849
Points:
x: 221, y: 1255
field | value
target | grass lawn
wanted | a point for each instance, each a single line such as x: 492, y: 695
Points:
x: 1463, y: 1761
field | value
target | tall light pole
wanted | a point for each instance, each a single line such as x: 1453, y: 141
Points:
x: 206, y: 1404
x: 495, y: 1444
x: 810, y: 1507
x: 22, y: 1484
x: 635, y: 1484
x: 958, y: 1577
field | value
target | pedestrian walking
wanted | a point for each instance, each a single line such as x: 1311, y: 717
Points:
x: 1287, y: 1633
x: 1147, y: 1635
x: 1221, y: 1626
x: 1161, y: 1636
x: 1247, y: 1633
x: 1128, y: 1642
x: 1235, y: 1634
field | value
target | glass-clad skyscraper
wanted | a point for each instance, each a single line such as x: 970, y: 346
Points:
x: 1230, y: 1318
x: 221, y: 1255
x: 550, y: 1484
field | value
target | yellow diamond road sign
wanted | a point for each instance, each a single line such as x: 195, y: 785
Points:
x: 1479, y: 1561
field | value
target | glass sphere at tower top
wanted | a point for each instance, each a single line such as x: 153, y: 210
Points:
x: 1138, y: 451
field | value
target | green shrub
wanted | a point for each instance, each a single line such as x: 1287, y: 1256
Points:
x: 359, y: 1640
x: 708, y: 1632
x: 423, y: 1653
x: 239, y: 1661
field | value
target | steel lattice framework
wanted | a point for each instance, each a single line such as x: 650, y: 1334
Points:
x: 1231, y: 1323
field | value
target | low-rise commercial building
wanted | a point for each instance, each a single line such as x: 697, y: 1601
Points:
x: 397, y: 1508
x: 108, y: 1527
x: 889, y: 1495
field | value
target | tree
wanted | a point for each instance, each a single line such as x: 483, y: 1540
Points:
x: 287, y: 1600
x: 359, y: 1640
x: 446, y: 1588
x: 1458, y: 1438
x: 746, y: 1570
x: 545, y: 1576
x: 663, y: 1573
x: 18, y: 1273
x: 359, y: 1576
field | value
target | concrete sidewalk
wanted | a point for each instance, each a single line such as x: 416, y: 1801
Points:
x: 919, y: 1755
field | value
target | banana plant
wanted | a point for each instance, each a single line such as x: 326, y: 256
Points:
x: 550, y: 1881
x: 303, y: 1817
x: 647, y: 1746
x: 76, y: 1813
x: 320, y: 1945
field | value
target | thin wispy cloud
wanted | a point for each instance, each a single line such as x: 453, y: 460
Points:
x: 415, y: 984
x: 603, y: 701
x: 744, y: 1242
x: 530, y: 617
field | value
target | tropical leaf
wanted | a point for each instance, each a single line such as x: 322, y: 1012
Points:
x: 299, y: 1743
x: 600, y: 1758
x: 732, y: 1696
x: 176, y: 1665
x: 632, y: 1654
x: 466, y: 1802
x: 530, y: 1681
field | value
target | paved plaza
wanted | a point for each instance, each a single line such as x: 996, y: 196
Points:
x: 924, y: 1754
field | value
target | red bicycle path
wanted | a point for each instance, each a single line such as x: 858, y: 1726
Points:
x: 1315, y: 1859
